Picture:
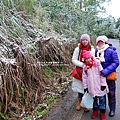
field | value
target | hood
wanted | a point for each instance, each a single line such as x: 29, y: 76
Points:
x: 111, y: 46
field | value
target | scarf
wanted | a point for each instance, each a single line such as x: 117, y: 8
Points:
x: 82, y: 47
x: 94, y: 62
x: 90, y: 64
x: 100, y: 53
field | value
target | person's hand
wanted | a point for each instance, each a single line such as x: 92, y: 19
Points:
x: 101, y: 74
x: 103, y: 88
x: 86, y: 90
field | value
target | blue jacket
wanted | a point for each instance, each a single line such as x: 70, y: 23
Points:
x: 111, y: 60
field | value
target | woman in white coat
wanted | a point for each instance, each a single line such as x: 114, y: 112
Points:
x: 77, y: 60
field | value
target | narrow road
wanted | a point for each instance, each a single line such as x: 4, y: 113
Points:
x: 66, y: 109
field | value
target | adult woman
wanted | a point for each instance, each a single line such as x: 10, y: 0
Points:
x: 109, y: 61
x: 77, y: 84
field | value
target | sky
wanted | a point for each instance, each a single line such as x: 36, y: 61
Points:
x: 113, y: 8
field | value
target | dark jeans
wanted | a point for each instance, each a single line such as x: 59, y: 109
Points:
x: 99, y: 103
x: 112, y: 94
x: 80, y: 95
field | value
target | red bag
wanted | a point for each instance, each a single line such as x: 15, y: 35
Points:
x: 77, y: 73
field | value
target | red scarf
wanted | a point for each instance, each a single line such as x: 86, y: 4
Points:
x: 90, y: 64
x: 82, y: 47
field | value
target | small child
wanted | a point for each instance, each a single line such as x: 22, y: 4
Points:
x: 95, y: 84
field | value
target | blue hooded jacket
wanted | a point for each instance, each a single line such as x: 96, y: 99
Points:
x: 111, y: 60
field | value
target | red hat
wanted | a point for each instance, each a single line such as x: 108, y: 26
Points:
x: 86, y: 54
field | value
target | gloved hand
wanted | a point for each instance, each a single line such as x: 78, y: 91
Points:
x: 86, y: 90
x: 103, y: 88
x: 101, y: 74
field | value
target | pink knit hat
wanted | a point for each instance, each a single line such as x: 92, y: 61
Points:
x: 102, y: 38
x: 86, y: 54
x: 85, y: 37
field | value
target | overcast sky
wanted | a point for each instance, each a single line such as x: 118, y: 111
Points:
x: 113, y: 8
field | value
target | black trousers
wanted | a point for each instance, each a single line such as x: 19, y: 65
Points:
x: 112, y: 94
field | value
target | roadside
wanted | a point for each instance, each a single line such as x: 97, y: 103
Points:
x: 66, y: 109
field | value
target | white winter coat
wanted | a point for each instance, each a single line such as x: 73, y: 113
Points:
x: 77, y: 84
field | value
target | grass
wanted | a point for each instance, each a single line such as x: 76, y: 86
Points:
x: 42, y: 109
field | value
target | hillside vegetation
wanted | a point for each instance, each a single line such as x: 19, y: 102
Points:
x: 37, y: 39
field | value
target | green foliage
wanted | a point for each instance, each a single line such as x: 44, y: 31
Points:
x: 66, y: 17
x: 105, y: 26
x: 40, y: 110
x: 23, y: 89
x: 61, y: 67
x: 20, y: 96
x: 24, y: 5
x: 11, y: 92
x: 49, y: 72
x: 26, y: 118
x: 117, y: 26
x: 3, y: 117
x: 27, y: 5
x: 69, y: 19
x: 50, y: 100
x: 31, y: 49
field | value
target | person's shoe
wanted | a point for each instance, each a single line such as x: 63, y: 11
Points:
x: 86, y: 110
x: 102, y: 116
x: 111, y: 113
x: 78, y: 107
x: 94, y: 114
